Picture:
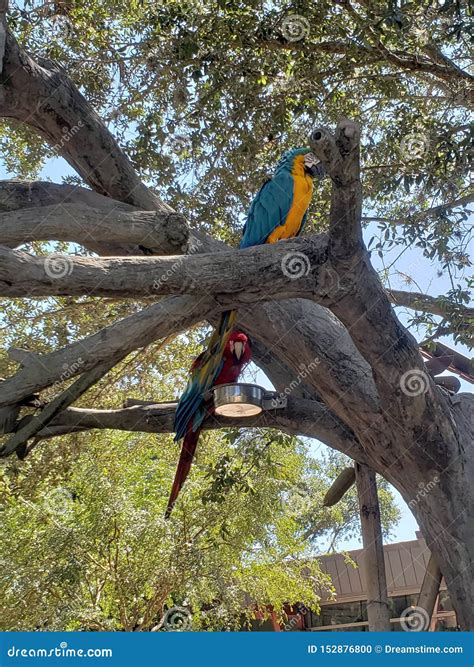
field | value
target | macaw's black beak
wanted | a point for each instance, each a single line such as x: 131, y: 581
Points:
x: 316, y: 170
x: 312, y: 171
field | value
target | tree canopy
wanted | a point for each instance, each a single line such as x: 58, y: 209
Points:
x: 85, y: 545
x: 205, y: 96
x: 171, y: 115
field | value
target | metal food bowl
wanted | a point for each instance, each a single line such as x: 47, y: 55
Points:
x: 238, y: 400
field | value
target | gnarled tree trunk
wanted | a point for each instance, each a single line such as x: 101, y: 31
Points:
x: 319, y: 315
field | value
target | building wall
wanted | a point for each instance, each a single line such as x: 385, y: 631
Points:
x: 405, y: 566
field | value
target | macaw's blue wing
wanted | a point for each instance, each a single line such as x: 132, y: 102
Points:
x: 303, y: 223
x: 269, y: 209
x: 191, y: 408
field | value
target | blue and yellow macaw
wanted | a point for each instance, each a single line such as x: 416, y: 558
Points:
x: 278, y: 211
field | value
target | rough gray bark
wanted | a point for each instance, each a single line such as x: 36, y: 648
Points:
x: 233, y: 277
x: 357, y: 359
x: 116, y: 341
x: 300, y: 417
x: 17, y: 195
x: 166, y: 233
x: 30, y: 429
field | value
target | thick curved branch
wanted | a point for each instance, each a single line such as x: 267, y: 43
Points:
x: 234, y: 277
x: 340, y: 155
x: 62, y: 117
x: 113, y: 342
x: 159, y: 232
x: 300, y: 417
x: 321, y: 355
x: 362, y: 304
x: 20, y: 194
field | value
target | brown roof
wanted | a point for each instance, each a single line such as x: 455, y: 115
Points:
x: 405, y: 565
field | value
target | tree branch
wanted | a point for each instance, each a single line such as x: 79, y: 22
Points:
x: 340, y: 155
x: 62, y: 117
x: 19, y: 441
x: 115, y: 341
x: 403, y: 59
x: 365, y: 55
x: 301, y: 417
x: 321, y: 355
x: 161, y: 233
x: 362, y: 304
x: 436, y: 305
x: 234, y: 277
x: 19, y: 194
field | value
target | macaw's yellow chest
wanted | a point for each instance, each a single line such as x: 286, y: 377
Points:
x: 302, y: 193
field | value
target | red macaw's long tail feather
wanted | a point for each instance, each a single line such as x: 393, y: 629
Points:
x: 188, y: 450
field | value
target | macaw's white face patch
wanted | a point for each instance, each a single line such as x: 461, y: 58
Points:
x: 310, y: 160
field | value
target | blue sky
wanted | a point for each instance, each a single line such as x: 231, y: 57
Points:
x: 423, y: 271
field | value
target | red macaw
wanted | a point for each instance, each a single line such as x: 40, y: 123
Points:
x: 193, y: 407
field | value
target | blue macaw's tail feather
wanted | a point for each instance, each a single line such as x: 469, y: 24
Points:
x: 191, y: 407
